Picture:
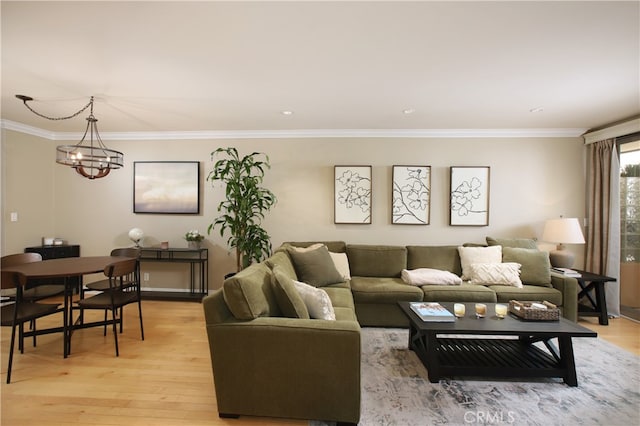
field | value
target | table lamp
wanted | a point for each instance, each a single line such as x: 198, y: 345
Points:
x: 136, y: 235
x: 562, y: 231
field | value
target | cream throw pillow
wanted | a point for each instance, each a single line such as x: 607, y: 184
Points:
x: 306, y: 249
x: 496, y: 274
x: 424, y: 276
x: 316, y: 300
x: 341, y: 262
x: 471, y: 255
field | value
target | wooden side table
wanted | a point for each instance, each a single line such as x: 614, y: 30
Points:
x: 593, y: 282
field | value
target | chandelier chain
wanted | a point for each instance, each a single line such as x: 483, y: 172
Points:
x: 60, y: 118
x: 92, y: 161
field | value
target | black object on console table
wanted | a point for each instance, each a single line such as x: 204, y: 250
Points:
x: 198, y: 260
x: 55, y: 252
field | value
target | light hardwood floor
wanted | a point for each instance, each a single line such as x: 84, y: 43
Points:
x: 164, y: 380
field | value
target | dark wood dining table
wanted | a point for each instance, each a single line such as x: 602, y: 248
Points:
x: 66, y: 268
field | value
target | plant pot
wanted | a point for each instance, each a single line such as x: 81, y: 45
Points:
x: 194, y: 245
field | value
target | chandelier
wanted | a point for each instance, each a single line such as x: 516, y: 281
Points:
x: 92, y: 159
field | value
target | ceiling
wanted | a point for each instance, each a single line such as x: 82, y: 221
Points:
x: 345, y: 66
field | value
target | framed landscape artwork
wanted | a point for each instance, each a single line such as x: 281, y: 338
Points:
x: 469, y: 196
x: 411, y: 195
x: 352, y: 194
x: 166, y: 187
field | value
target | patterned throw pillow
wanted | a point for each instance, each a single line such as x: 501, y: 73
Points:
x: 496, y: 274
x: 471, y: 255
x: 317, y: 301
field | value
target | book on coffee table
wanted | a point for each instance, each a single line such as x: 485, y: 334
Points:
x: 567, y: 272
x: 432, y: 312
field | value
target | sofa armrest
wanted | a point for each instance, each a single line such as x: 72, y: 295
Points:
x: 283, y: 367
x: 568, y: 286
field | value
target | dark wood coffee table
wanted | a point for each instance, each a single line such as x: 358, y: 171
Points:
x: 493, y: 347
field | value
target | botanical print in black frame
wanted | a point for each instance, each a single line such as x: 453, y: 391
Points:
x: 411, y: 195
x: 469, y: 196
x: 352, y: 194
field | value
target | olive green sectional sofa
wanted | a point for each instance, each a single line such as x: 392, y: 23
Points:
x: 284, y: 349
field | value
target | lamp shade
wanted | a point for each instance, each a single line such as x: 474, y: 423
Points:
x: 563, y: 231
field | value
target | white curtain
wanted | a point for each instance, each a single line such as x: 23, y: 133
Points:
x: 613, y: 256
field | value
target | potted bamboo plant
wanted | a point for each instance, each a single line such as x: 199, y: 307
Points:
x: 245, y: 205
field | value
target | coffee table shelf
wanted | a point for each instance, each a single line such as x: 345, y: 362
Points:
x: 494, y: 357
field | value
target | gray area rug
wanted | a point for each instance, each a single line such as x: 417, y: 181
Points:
x: 396, y: 390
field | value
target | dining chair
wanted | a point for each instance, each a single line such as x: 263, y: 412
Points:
x: 103, y: 285
x: 118, y: 295
x: 32, y: 292
x: 129, y: 281
x: 19, y: 310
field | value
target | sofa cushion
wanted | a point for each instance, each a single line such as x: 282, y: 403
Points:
x: 527, y: 243
x: 527, y: 293
x: 340, y: 297
x: 345, y: 314
x: 535, y: 269
x: 458, y: 293
x: 471, y: 255
x: 317, y: 301
x: 315, y: 267
x: 281, y: 258
x: 289, y: 299
x: 383, y: 290
x: 496, y: 273
x: 422, y: 276
x: 249, y: 293
x: 376, y: 260
x: 445, y: 258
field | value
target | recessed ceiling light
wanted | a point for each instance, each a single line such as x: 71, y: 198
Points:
x: 536, y: 109
x: 286, y: 112
x: 408, y: 111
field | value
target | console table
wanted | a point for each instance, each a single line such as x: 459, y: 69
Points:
x: 198, y: 260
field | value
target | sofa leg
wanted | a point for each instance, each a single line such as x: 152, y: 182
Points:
x: 228, y: 416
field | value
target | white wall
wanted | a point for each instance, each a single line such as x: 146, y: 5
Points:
x: 531, y: 180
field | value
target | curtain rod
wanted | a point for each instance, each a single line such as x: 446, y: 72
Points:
x: 622, y: 129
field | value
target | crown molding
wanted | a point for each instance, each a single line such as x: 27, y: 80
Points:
x: 302, y: 133
x: 29, y: 130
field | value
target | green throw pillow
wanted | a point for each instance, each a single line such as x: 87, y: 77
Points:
x: 315, y: 267
x: 249, y: 294
x: 289, y: 300
x: 536, y: 268
x: 526, y: 243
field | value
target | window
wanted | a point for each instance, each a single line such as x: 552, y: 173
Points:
x: 630, y: 201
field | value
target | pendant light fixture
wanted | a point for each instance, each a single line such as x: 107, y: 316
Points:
x: 89, y: 157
